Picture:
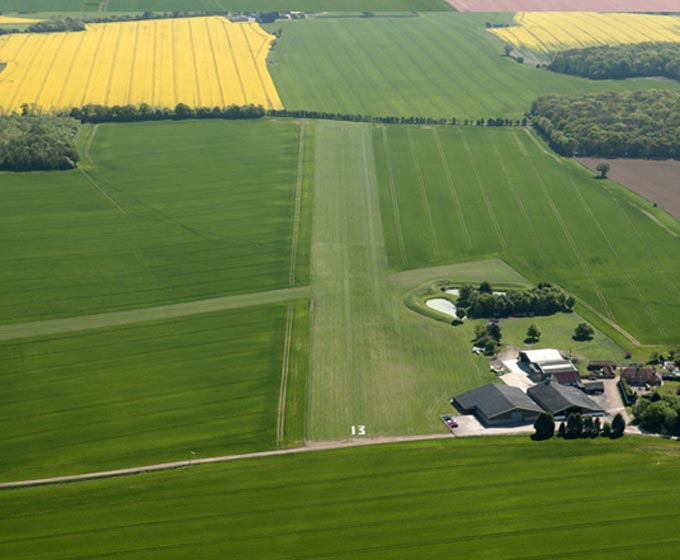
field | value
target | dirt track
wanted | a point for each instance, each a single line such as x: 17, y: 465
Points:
x: 116, y: 318
x: 565, y: 5
x: 313, y: 446
x: 657, y: 181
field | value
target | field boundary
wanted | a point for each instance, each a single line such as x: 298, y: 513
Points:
x: 298, y: 206
x: 285, y: 367
x: 106, y: 195
x: 146, y: 314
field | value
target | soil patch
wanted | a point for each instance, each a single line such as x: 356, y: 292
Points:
x: 657, y: 181
x: 564, y: 5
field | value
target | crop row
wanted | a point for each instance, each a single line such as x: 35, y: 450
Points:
x: 198, y: 61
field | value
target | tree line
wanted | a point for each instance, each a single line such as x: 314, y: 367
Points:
x: 578, y: 426
x: 641, y: 124
x: 37, y: 142
x: 48, y: 26
x: 392, y: 119
x: 483, y: 302
x: 620, y: 61
x: 93, y: 113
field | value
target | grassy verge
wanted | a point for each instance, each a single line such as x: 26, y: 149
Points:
x: 296, y: 391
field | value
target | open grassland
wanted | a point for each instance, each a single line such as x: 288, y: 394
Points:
x: 489, y: 498
x: 373, y: 362
x: 170, y: 212
x: 433, y: 65
x: 198, y: 61
x: 143, y: 393
x: 554, y: 31
x: 457, y: 194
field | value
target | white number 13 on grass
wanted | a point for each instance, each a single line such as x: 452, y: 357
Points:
x: 359, y: 430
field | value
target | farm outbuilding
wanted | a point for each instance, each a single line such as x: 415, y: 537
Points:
x: 497, y: 405
x: 547, y: 362
x: 561, y: 400
x: 637, y: 376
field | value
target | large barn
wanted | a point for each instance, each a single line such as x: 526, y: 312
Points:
x: 547, y: 362
x: 497, y: 405
x: 561, y: 400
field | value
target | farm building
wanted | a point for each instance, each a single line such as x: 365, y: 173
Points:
x: 547, y: 362
x: 568, y: 377
x: 497, y: 405
x: 561, y: 400
x: 594, y: 388
x: 638, y: 376
x: 605, y: 368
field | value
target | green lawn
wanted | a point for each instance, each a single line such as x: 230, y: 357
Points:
x: 150, y: 392
x: 451, y: 194
x: 436, y: 65
x: 486, y: 498
x: 180, y: 211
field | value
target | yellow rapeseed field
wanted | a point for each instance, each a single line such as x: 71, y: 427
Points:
x: 203, y: 61
x: 545, y: 32
x: 9, y: 20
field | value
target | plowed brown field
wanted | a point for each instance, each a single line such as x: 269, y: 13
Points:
x: 565, y: 5
x: 657, y: 181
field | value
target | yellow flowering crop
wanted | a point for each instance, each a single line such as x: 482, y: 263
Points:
x: 545, y: 32
x: 9, y: 20
x: 203, y: 61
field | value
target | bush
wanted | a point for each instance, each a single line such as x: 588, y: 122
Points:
x: 583, y: 331
x: 544, y: 426
x: 618, y: 426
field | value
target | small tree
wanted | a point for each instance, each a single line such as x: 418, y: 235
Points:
x: 583, y: 331
x: 618, y: 426
x: 606, y: 430
x: 485, y: 288
x: 603, y: 168
x: 596, y: 428
x: 533, y: 334
x: 507, y: 49
x: 544, y: 426
x: 587, y: 427
x: 561, y: 430
x: 574, y: 426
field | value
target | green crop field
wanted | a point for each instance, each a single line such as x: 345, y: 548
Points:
x: 222, y: 5
x: 143, y: 393
x: 433, y: 65
x: 458, y: 193
x: 495, y: 498
x: 166, y: 212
